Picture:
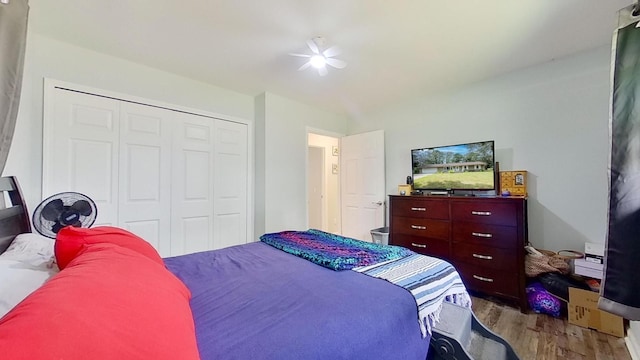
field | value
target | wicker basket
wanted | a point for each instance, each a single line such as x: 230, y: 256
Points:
x: 549, y: 261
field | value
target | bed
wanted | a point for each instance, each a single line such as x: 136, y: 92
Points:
x: 115, y: 298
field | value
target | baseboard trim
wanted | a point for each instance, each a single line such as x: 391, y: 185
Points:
x: 632, y: 343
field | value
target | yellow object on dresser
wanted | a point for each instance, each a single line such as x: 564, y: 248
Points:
x: 514, y: 182
x: 406, y: 188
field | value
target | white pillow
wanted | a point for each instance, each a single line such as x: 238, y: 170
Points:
x: 19, y: 279
x: 30, y: 248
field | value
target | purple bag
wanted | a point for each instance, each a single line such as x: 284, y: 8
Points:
x: 541, y: 301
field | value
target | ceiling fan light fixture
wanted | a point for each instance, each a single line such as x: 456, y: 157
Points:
x: 320, y: 58
x: 318, y: 61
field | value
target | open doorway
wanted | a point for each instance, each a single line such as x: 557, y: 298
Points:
x: 323, y: 183
x: 316, y: 188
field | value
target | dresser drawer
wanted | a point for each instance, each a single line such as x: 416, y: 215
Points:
x: 484, y: 212
x: 485, y: 234
x: 424, y: 208
x: 436, y: 229
x: 483, y: 237
x: 421, y: 245
x: 486, y: 257
x: 490, y: 281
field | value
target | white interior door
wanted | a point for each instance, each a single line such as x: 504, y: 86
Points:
x: 230, y: 183
x: 80, y: 142
x: 192, y: 184
x: 362, y: 184
x: 145, y: 173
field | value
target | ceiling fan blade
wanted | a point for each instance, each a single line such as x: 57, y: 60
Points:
x: 312, y: 45
x: 332, y: 51
x: 304, y: 66
x: 338, y: 64
x: 300, y: 55
x: 322, y: 71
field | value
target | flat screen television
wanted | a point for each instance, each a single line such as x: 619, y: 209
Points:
x: 467, y: 166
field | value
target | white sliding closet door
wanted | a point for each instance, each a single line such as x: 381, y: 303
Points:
x: 192, y: 184
x: 176, y: 179
x: 230, y: 201
x: 80, y: 150
x: 145, y: 173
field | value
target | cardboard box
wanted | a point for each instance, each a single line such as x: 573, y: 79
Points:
x: 587, y: 268
x: 583, y: 311
x: 514, y: 182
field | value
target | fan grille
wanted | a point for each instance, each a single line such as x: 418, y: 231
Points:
x: 64, y: 209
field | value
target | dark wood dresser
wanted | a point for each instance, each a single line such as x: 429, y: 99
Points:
x: 483, y: 237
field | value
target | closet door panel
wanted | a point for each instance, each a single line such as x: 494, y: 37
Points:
x: 177, y: 180
x: 146, y: 229
x: 145, y: 173
x: 230, y: 184
x: 193, y: 230
x: 192, y: 184
x: 80, y: 144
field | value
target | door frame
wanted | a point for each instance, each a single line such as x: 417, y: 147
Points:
x: 50, y: 85
x: 318, y: 131
x: 323, y: 188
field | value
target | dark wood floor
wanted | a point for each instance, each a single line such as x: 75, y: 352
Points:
x: 535, y: 336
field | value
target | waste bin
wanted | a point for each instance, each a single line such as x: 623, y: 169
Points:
x: 380, y: 235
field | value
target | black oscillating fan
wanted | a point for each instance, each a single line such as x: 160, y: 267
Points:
x: 64, y: 209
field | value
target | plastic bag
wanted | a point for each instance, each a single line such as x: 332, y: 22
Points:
x: 541, y: 301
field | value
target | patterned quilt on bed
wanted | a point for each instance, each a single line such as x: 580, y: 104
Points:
x: 431, y: 281
x: 333, y: 251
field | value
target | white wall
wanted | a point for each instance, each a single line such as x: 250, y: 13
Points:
x: 284, y: 154
x: 332, y: 181
x: 53, y: 59
x: 551, y: 120
x: 259, y: 213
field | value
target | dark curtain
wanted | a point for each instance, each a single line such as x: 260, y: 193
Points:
x: 620, y: 290
x: 13, y: 36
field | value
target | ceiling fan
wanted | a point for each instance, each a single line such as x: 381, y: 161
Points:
x: 321, y: 57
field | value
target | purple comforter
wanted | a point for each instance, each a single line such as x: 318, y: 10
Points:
x: 256, y: 302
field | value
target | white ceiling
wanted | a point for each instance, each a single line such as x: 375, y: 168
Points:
x: 395, y: 49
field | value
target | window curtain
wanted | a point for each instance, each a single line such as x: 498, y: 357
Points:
x: 619, y: 289
x: 13, y: 36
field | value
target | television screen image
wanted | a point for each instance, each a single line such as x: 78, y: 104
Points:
x: 454, y: 167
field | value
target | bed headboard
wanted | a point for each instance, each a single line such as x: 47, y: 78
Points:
x: 14, y: 217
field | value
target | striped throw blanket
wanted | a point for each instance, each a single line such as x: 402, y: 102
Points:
x: 333, y: 251
x: 431, y: 281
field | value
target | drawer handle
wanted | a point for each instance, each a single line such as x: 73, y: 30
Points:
x: 483, y: 257
x: 482, y: 235
x: 482, y: 278
x: 419, y: 245
x: 418, y: 227
x: 418, y: 209
x: 481, y: 213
